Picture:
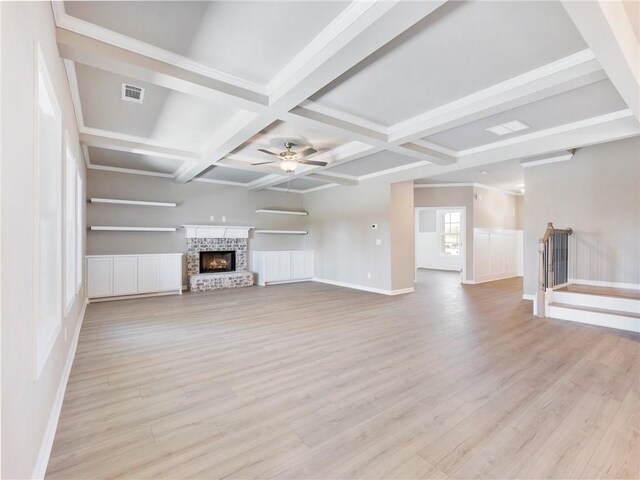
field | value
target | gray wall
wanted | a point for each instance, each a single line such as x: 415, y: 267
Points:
x: 494, y: 209
x: 451, y: 197
x: 340, y: 232
x: 597, y: 193
x: 27, y: 403
x: 197, y: 201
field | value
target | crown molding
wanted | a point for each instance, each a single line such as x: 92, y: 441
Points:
x: 473, y: 185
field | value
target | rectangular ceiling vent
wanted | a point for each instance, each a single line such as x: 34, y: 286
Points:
x: 509, y: 127
x: 131, y: 93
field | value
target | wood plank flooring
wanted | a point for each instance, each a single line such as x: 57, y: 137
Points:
x: 311, y: 381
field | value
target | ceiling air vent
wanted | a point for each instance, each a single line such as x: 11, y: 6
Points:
x: 131, y: 93
x: 509, y: 127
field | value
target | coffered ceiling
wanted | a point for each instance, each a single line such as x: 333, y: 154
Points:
x: 377, y: 87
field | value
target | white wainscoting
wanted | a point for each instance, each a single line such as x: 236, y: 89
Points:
x: 497, y: 254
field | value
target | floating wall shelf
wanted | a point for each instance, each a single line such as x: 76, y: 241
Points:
x: 132, y: 229
x: 132, y: 202
x: 283, y: 232
x: 282, y: 212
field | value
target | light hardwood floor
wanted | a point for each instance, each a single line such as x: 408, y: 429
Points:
x: 314, y: 381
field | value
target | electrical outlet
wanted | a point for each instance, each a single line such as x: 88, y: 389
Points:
x: 369, y: 275
x: 224, y: 219
x: 212, y: 218
x: 378, y: 242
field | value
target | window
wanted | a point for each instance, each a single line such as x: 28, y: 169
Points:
x: 79, y: 228
x: 47, y: 258
x: 450, y: 232
x: 70, y: 238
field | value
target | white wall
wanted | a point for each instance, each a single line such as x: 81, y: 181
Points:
x: 597, y: 193
x: 28, y: 404
x: 197, y: 201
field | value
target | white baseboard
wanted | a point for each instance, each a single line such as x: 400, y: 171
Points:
x: 50, y: 433
x: 365, y: 288
x: 140, y: 295
x: 529, y: 296
x: 493, y: 278
x: 599, y: 283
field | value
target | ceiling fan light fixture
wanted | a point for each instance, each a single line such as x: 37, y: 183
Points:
x: 289, y: 166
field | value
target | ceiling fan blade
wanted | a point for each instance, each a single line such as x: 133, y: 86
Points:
x: 267, y: 152
x: 313, y: 162
x: 308, y: 151
x: 264, y: 163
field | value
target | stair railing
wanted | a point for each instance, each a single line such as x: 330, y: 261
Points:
x: 553, y: 250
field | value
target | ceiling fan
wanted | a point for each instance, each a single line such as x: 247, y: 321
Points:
x: 289, y: 160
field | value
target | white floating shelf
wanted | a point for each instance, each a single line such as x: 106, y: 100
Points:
x: 282, y: 212
x: 133, y: 229
x: 283, y: 232
x: 132, y: 202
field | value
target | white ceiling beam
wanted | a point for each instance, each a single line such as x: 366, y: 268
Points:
x: 328, y: 177
x: 601, y: 129
x: 266, y: 182
x: 312, y: 118
x: 545, y: 159
x: 607, y: 29
x: 98, y: 54
x: 565, y: 74
x: 352, y: 37
x: 92, y: 137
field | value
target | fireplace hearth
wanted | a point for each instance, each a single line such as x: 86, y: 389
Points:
x: 218, y: 261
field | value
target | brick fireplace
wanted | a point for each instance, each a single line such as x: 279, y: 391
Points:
x: 223, y: 241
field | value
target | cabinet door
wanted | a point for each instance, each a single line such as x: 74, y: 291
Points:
x: 271, y: 266
x: 99, y: 277
x: 309, y: 264
x: 171, y: 273
x: 298, y: 265
x: 284, y: 266
x: 148, y: 274
x: 125, y: 278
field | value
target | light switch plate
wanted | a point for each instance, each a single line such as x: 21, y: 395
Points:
x: 378, y: 242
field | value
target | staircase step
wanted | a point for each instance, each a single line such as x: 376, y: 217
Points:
x: 602, y: 317
x: 593, y: 301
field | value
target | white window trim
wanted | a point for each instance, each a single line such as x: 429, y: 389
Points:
x: 70, y: 268
x: 79, y: 228
x: 440, y: 212
x: 42, y: 349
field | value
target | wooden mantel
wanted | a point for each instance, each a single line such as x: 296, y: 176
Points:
x: 216, y: 231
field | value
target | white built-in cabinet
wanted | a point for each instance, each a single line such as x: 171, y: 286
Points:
x: 278, y: 266
x: 121, y: 275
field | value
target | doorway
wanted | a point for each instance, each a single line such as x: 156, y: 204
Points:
x: 440, y: 239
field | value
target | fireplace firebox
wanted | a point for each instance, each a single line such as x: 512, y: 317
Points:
x: 217, y: 261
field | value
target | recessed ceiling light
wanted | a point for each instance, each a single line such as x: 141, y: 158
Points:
x: 509, y: 127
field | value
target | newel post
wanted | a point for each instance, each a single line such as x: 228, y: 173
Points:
x: 540, y: 294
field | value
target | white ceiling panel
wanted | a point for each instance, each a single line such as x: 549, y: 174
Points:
x: 253, y: 40
x: 301, y: 184
x: 134, y: 161
x: 507, y: 175
x: 459, y: 49
x: 167, y: 116
x: 231, y: 175
x: 373, y: 163
x: 585, y: 102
